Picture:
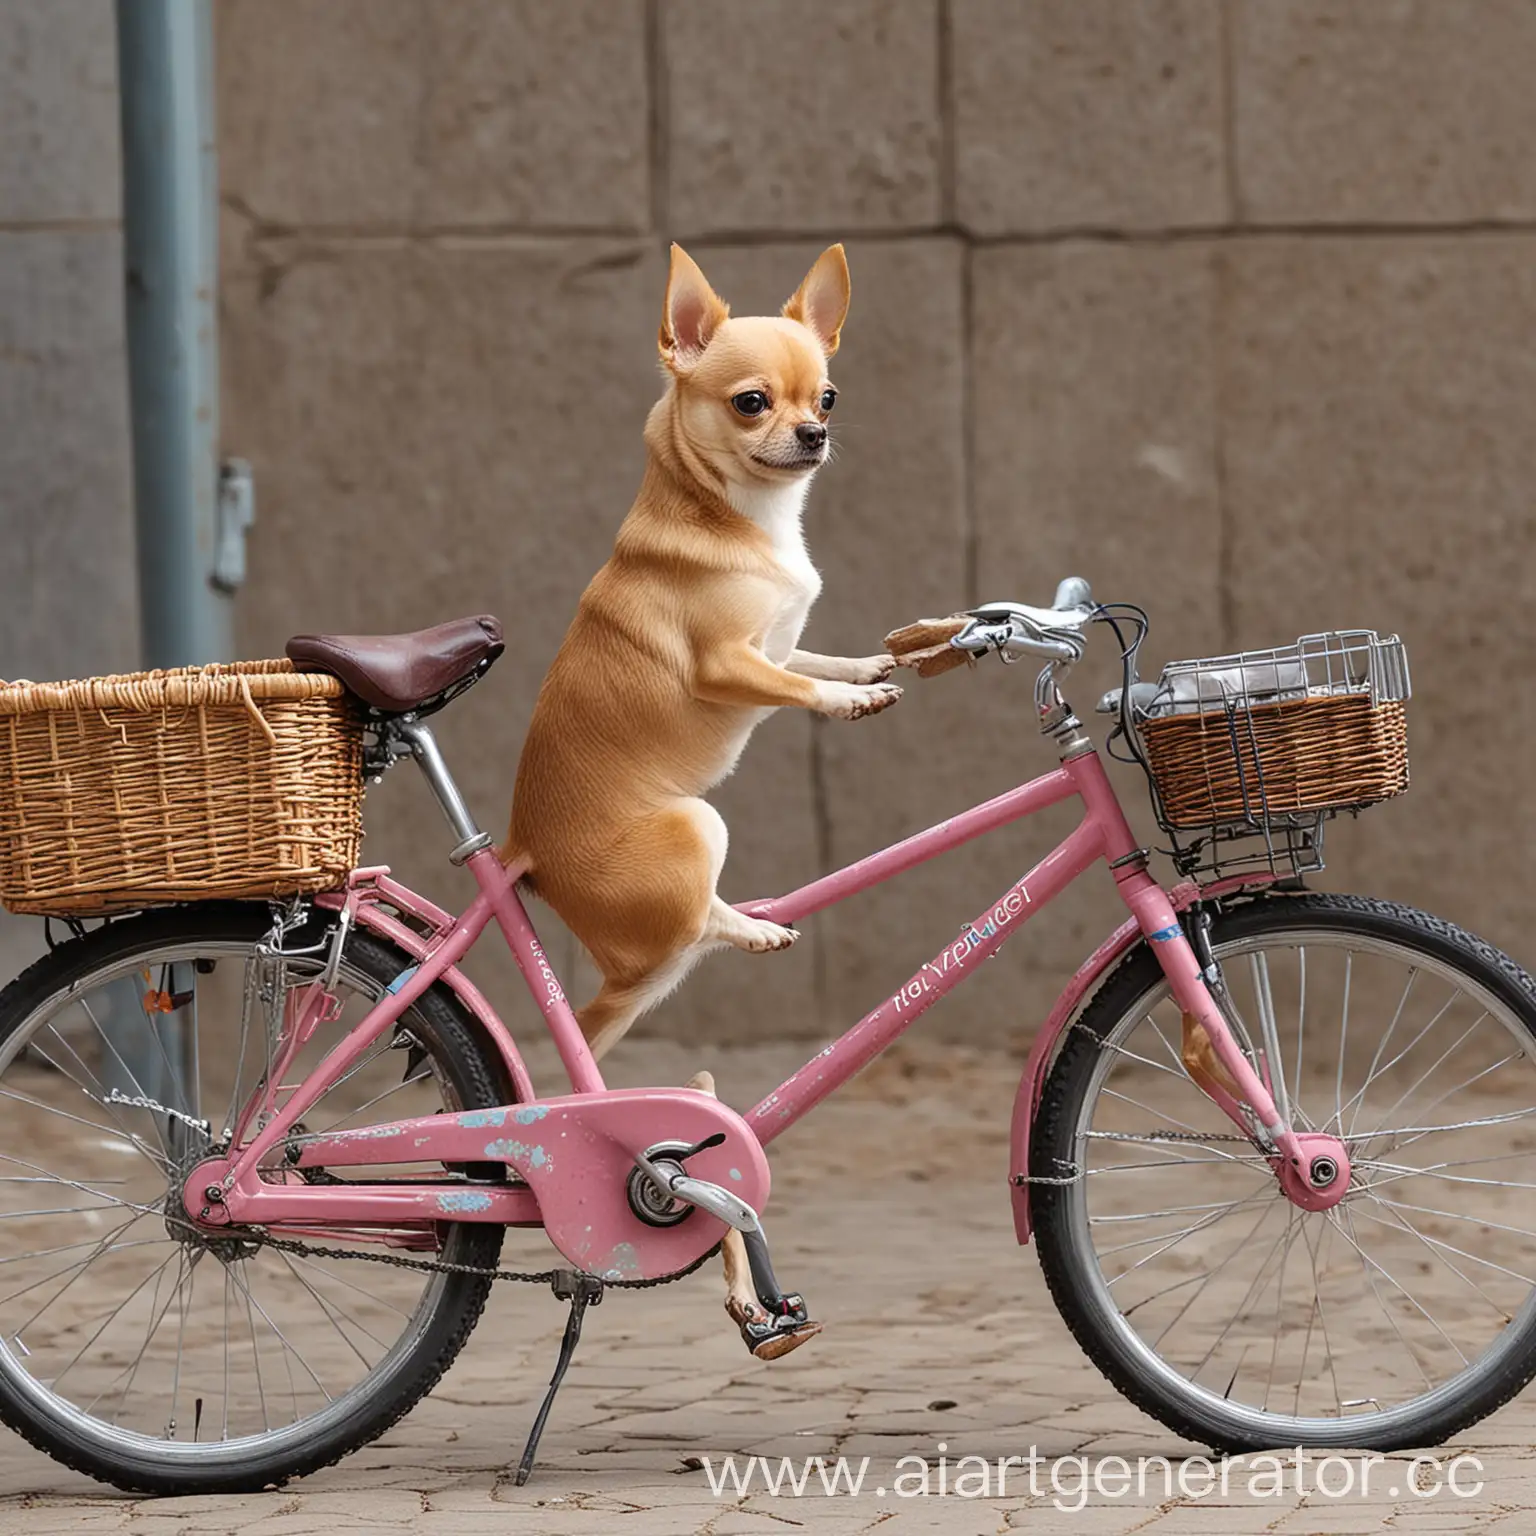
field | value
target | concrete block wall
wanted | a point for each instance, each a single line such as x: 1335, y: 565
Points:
x: 67, y: 587
x: 68, y: 593
x: 1224, y: 304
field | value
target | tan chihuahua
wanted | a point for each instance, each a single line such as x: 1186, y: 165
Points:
x: 681, y: 644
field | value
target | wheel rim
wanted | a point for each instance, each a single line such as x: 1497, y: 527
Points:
x: 1338, y: 1326
x: 112, y: 1323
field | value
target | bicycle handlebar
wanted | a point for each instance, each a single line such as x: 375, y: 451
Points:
x: 1017, y: 628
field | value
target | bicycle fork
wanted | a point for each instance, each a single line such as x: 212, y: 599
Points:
x: 1312, y: 1168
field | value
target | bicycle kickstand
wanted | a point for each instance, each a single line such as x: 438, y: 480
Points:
x: 582, y: 1291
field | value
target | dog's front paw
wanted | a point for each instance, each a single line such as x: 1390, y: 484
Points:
x: 871, y: 669
x: 852, y: 701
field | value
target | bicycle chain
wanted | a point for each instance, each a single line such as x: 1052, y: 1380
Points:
x: 430, y: 1266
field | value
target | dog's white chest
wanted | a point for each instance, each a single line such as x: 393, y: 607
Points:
x: 804, y: 586
x: 777, y: 513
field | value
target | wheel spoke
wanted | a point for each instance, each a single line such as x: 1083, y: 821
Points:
x: 1240, y: 1246
x: 1274, y: 1351
x: 1314, y: 1249
x: 378, y: 1098
x: 1397, y: 1284
x: 1435, y: 1253
x: 172, y: 1073
x: 330, y: 1315
x: 113, y: 1315
x: 1174, y: 1056
x: 98, y: 1248
x: 1172, y: 1210
x: 228, y: 1268
x: 281, y: 1337
x: 1128, y: 1138
x: 157, y: 1316
x: 1338, y: 1087
x: 91, y: 1125
x: 1439, y: 1014
x: 261, y: 1390
x: 1219, y: 1214
x: 1172, y: 1120
x: 1424, y: 1076
x: 1172, y: 1243
x: 1427, y: 1210
x: 352, y: 1285
x: 1403, y: 1136
x: 1386, y: 1311
x: 1254, y: 1287
x: 98, y: 1097
x: 1358, y: 1100
x: 181, y: 1339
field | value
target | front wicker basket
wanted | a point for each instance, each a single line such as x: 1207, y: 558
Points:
x: 241, y: 781
x: 1261, y: 763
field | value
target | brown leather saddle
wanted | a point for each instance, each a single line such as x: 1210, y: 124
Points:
x: 396, y: 674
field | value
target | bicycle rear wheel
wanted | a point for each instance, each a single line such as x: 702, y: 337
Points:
x: 1397, y: 1319
x: 130, y: 1348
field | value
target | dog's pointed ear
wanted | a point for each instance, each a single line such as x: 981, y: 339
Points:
x: 691, y: 313
x: 820, y: 303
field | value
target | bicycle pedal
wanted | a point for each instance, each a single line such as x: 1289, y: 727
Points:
x: 768, y: 1335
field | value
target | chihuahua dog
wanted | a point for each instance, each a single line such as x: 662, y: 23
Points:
x: 681, y: 644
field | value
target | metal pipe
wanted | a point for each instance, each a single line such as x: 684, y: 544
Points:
x: 170, y: 257
x: 429, y: 759
x: 170, y: 253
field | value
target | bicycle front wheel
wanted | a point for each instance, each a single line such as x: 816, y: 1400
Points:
x: 131, y: 1347
x: 1396, y: 1319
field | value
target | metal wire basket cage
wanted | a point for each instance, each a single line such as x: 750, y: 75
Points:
x: 1250, y: 754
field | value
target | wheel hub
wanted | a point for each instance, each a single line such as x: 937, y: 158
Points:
x: 185, y: 1225
x: 1319, y: 1179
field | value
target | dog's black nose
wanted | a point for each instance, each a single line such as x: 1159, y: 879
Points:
x: 811, y: 434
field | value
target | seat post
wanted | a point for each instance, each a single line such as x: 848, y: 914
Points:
x: 429, y: 759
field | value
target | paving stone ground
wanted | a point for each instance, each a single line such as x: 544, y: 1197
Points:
x: 891, y: 1212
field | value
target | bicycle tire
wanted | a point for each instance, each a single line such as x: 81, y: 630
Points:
x: 1072, y: 1274
x: 479, y: 1080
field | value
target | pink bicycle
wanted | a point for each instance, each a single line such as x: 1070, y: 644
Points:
x: 1273, y: 1146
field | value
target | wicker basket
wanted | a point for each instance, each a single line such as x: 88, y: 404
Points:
x: 237, y: 781
x: 1261, y: 763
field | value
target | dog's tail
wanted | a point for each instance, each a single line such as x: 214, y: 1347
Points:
x: 512, y: 856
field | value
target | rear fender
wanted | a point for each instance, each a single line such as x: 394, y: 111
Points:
x: 365, y: 889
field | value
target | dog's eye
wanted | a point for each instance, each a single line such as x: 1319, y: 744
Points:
x: 750, y: 402
x: 828, y: 400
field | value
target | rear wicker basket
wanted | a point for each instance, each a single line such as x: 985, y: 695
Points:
x: 1269, y: 739
x: 238, y: 781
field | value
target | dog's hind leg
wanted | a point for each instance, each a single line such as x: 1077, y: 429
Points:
x: 756, y: 935
x: 643, y: 919
x: 741, y: 1299
x: 724, y: 924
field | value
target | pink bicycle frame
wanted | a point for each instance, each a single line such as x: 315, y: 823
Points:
x: 603, y: 1130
